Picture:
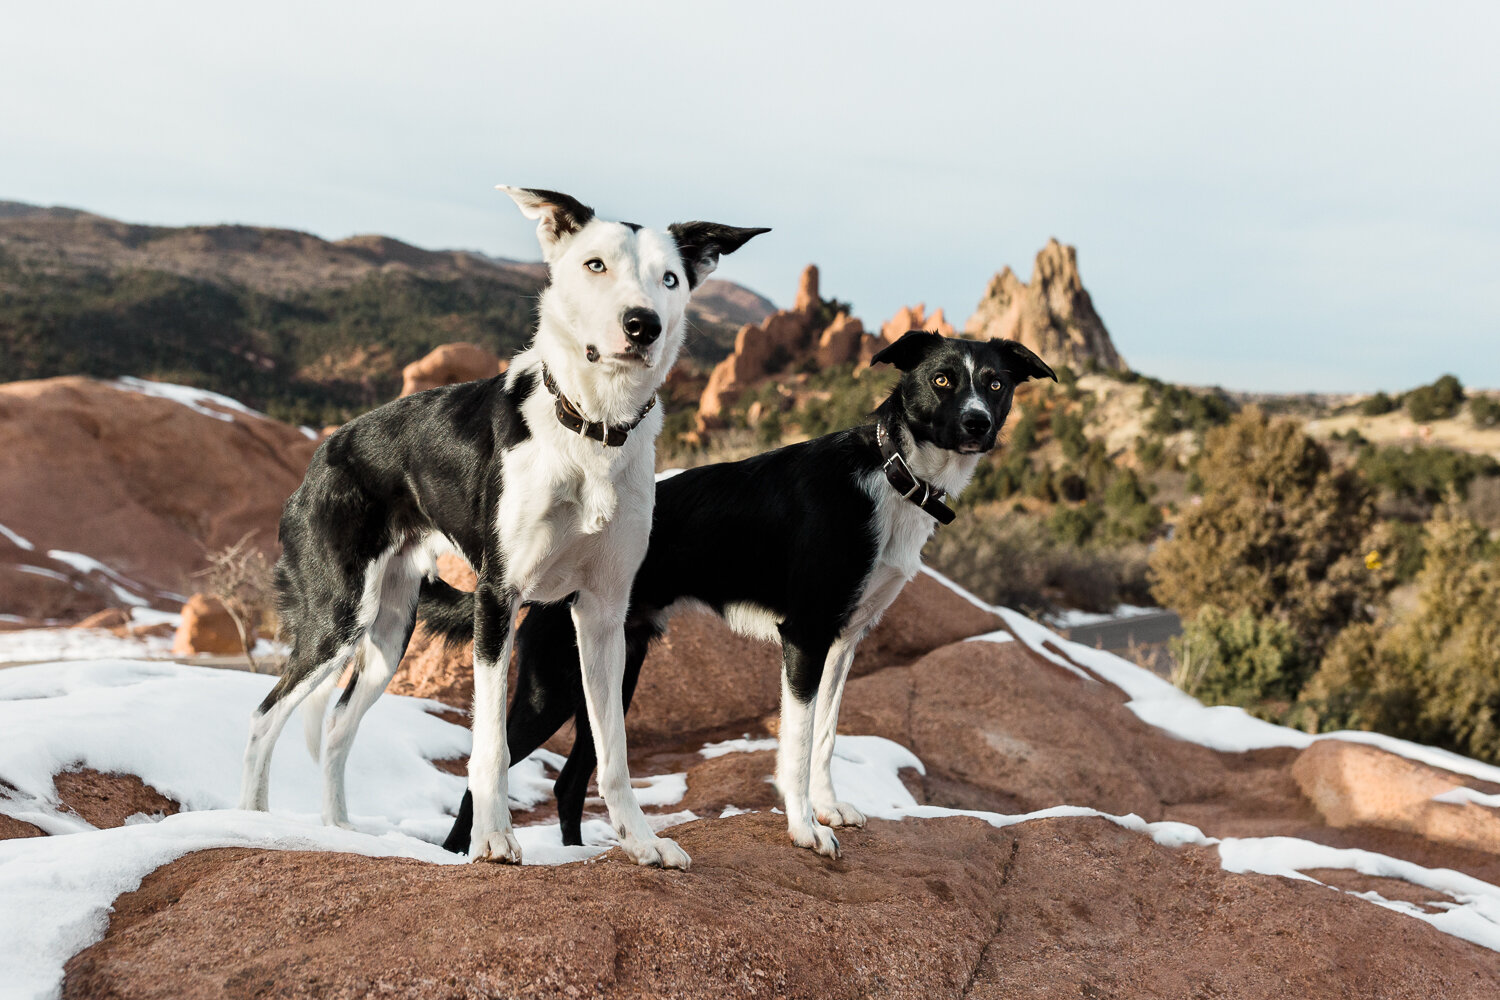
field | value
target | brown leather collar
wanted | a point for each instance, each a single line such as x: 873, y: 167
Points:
x: 904, y: 481
x: 610, y: 435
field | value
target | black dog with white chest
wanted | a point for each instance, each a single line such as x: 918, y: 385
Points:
x: 806, y: 545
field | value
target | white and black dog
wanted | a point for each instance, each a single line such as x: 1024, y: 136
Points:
x: 808, y: 544
x: 542, y: 478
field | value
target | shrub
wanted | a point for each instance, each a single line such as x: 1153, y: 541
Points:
x: 1378, y: 404
x: 1010, y: 558
x: 1129, y: 513
x: 1426, y: 474
x: 1072, y: 524
x: 1485, y: 411
x: 1437, y: 401
x: 1067, y: 428
x: 1433, y: 675
x: 1151, y: 452
x: 1278, y: 532
x: 1255, y: 662
x: 1178, y: 408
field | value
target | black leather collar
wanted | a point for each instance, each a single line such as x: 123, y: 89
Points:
x: 610, y: 435
x: 904, y: 481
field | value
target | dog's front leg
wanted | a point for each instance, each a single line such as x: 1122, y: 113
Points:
x: 825, y: 804
x: 803, y: 657
x: 491, y: 837
x: 600, y: 623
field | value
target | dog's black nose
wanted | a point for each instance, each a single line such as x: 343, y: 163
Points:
x: 642, y: 326
x: 975, y: 424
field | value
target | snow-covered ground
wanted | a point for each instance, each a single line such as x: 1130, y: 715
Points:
x: 181, y: 729
x: 1073, y: 618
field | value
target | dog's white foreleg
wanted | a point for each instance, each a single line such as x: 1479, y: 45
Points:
x: 825, y: 804
x: 794, y: 745
x: 491, y: 837
x: 601, y: 646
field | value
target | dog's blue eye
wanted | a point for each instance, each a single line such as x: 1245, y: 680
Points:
x: 669, y: 279
x: 594, y: 264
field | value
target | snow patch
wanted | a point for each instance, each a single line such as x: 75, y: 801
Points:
x: 197, y: 400
x: 742, y: 745
x: 1072, y: 618
x: 37, y: 644
x: 117, y: 583
x: 17, y: 540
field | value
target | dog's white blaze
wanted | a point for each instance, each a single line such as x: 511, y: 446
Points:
x: 975, y: 402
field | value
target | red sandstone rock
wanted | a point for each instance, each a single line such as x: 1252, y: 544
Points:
x: 807, y: 300
x: 839, y: 344
x: 1356, y: 785
x: 910, y: 318
x: 206, y: 628
x: 1053, y: 315
x: 449, y: 364
x: 142, y: 484
x: 940, y: 908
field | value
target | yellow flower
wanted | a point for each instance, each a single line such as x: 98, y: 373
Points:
x: 1372, y: 561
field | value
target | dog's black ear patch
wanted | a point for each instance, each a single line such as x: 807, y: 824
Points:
x: 559, y: 215
x: 701, y: 243
x: 910, y: 350
x: 1021, y: 362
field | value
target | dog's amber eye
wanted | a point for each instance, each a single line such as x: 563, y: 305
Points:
x: 669, y: 279
x: 941, y: 382
x: 594, y: 264
x: 995, y: 386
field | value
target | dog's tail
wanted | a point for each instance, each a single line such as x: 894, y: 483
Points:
x: 313, y: 709
x: 446, y: 611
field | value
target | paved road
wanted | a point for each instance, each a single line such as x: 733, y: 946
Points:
x: 1142, y: 630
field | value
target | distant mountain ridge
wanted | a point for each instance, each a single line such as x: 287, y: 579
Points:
x: 307, y: 328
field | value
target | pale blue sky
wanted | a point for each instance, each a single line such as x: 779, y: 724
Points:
x: 1291, y: 196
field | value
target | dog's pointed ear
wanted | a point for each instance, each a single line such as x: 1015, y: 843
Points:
x: 701, y: 243
x: 1021, y: 361
x: 909, y: 351
x: 559, y: 216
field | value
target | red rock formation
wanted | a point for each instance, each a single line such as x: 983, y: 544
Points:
x: 449, y: 364
x: 840, y: 343
x: 1356, y: 785
x: 807, y: 300
x: 764, y: 349
x: 142, y: 484
x: 910, y: 318
x: 206, y: 628
x: 1053, y: 315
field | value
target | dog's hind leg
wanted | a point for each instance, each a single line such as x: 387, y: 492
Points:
x: 384, y: 644
x: 803, y: 656
x: 825, y: 804
x: 601, y: 645
x: 302, y: 674
x: 572, y: 785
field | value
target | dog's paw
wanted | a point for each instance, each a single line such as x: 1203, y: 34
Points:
x: 839, y: 814
x: 817, y: 837
x: 659, y: 851
x: 500, y: 846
